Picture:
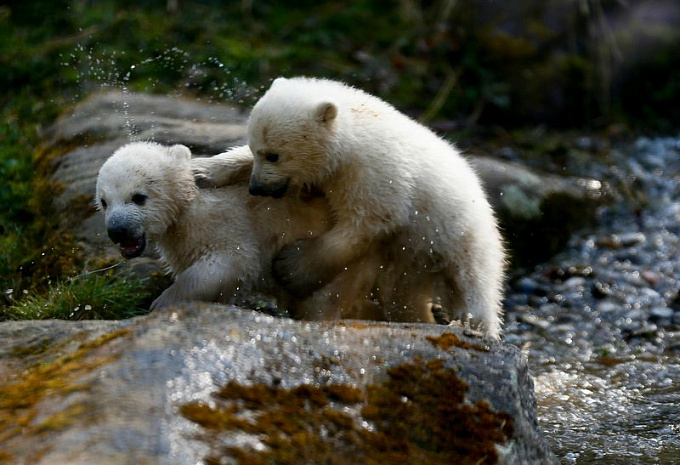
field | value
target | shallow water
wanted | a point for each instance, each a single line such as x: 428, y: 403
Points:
x: 601, y: 321
x: 628, y: 413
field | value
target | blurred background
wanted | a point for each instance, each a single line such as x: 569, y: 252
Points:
x: 563, y: 63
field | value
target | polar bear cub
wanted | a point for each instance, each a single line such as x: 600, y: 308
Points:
x: 388, y: 180
x: 218, y: 243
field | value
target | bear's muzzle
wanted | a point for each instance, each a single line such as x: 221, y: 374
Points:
x: 276, y: 191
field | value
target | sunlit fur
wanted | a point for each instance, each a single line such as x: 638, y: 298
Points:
x: 219, y: 243
x: 389, y: 180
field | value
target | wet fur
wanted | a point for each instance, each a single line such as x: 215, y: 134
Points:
x: 388, y: 180
x: 219, y: 243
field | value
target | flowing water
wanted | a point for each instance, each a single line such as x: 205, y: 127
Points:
x: 600, y: 322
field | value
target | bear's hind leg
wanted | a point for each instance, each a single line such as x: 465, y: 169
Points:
x: 468, y: 297
x: 406, y: 296
x: 348, y: 295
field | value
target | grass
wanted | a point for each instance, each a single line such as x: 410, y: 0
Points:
x: 90, y: 296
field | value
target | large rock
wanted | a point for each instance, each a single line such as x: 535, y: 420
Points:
x: 223, y: 385
x: 538, y: 212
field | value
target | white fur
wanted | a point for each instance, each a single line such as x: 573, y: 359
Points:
x: 218, y: 243
x: 387, y: 178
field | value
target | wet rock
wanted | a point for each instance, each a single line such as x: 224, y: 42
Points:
x: 208, y: 383
x: 661, y: 315
x: 617, y: 241
x: 538, y: 212
x: 601, y: 290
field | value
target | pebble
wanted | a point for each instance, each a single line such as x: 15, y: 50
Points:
x: 675, y: 302
x: 661, y: 312
x: 632, y: 238
x: 608, y: 306
x: 573, y: 283
x: 617, y: 241
x: 661, y: 316
x: 674, y: 348
x: 646, y: 331
x: 649, y: 276
x: 534, y: 321
x: 600, y: 290
x: 526, y: 285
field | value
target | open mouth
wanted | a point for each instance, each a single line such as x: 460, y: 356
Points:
x: 279, y: 192
x: 133, y: 247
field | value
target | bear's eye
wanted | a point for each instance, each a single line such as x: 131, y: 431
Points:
x: 103, y: 204
x: 139, y: 199
x: 272, y: 157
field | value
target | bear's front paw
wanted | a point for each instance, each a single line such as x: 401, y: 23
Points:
x: 160, y: 302
x: 202, y: 179
x: 291, y: 271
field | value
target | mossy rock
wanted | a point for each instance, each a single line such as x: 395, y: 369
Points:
x: 538, y: 212
x: 223, y: 385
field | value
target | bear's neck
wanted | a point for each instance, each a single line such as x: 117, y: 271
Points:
x: 176, y: 240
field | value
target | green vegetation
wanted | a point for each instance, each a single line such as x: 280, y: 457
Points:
x: 93, y: 296
x: 467, y: 63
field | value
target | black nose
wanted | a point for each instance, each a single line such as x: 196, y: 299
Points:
x: 255, y: 188
x: 118, y: 233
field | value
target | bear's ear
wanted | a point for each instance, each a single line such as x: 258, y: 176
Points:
x: 278, y: 81
x: 326, y: 112
x: 180, y: 152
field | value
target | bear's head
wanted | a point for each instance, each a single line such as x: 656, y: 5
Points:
x: 142, y: 189
x: 290, y: 133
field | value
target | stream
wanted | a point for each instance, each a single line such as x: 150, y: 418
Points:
x: 600, y: 321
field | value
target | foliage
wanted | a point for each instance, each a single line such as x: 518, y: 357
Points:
x: 85, y: 297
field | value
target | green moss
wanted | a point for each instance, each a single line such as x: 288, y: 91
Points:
x: 36, y: 348
x: 22, y: 394
x: 417, y: 415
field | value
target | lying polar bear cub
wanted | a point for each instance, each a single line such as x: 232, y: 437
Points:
x: 218, y: 243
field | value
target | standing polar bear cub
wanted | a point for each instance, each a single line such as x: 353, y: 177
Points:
x: 389, y: 182
x: 219, y: 243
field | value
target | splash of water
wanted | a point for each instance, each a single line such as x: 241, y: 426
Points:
x: 172, y: 71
